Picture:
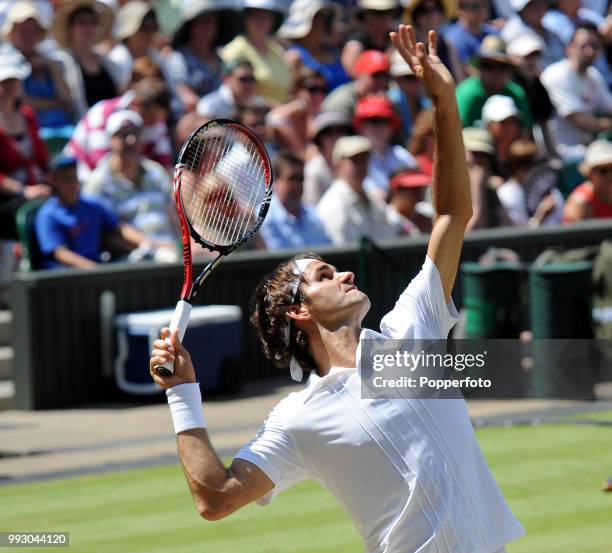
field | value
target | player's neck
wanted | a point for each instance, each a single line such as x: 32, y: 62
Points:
x: 335, y: 348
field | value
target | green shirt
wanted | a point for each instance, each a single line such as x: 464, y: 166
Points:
x: 471, y: 96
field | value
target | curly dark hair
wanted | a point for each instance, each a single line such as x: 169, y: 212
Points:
x: 269, y: 304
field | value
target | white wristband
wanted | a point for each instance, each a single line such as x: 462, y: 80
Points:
x: 185, y: 401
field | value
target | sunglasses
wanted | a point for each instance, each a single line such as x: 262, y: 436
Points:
x: 474, y: 6
x: 247, y: 79
x: 127, y: 132
x: 603, y: 170
x: 297, y: 177
x: 316, y: 89
x: 377, y: 121
x: 491, y: 66
x: 336, y: 131
x: 428, y: 10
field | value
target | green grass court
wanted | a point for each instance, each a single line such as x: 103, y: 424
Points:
x: 550, y: 475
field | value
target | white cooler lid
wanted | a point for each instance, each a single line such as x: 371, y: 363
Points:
x: 201, y: 315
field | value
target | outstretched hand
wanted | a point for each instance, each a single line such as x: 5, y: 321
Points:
x: 424, y: 61
x: 173, y: 352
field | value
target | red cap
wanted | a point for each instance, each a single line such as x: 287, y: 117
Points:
x: 371, y: 61
x: 410, y: 179
x: 375, y: 106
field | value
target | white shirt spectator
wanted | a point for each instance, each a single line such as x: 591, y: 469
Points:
x: 347, y: 216
x: 571, y: 93
x: 383, y: 166
x: 409, y: 472
x: 318, y: 177
x: 218, y: 104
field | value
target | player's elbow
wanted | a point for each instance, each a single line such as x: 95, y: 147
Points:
x: 211, y: 512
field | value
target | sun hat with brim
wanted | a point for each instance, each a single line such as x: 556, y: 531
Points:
x: 228, y: 23
x: 598, y: 154
x: 66, y: 8
x: 375, y: 106
x: 378, y: 6
x: 13, y: 66
x: 301, y: 13
x: 370, y: 62
x: 327, y: 120
x: 410, y: 179
x: 478, y: 140
x: 21, y: 11
x: 499, y: 108
x: 350, y: 146
x: 492, y: 48
x: 278, y: 7
x: 524, y: 45
x: 130, y: 17
x: 123, y: 119
x: 399, y: 66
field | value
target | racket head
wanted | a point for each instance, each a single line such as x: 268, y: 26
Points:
x: 539, y: 182
x: 224, y: 184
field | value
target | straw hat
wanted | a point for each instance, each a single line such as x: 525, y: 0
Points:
x: 228, y: 24
x: 350, y: 146
x: 478, y: 140
x: 66, y: 8
x: 301, y: 14
x: 378, y: 6
x: 492, y: 48
x: 21, y: 11
x: 598, y: 154
x: 130, y: 17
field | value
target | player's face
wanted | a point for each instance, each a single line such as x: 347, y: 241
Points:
x: 334, y: 296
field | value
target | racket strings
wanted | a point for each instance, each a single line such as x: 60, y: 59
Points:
x: 223, y: 185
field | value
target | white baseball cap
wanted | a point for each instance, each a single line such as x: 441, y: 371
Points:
x: 498, y: 107
x: 121, y: 119
x: 13, y: 66
x: 526, y: 44
x: 598, y: 154
x: 399, y: 66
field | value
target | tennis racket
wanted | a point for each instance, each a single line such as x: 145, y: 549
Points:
x: 539, y: 182
x: 222, y: 191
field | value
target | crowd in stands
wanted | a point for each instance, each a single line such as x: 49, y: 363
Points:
x: 97, y: 96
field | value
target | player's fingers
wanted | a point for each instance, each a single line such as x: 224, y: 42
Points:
x: 176, y: 343
x: 165, y: 332
x: 162, y: 353
x: 156, y: 361
x: 163, y: 344
x: 433, y: 49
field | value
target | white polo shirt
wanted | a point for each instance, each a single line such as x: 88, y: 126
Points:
x: 408, y: 472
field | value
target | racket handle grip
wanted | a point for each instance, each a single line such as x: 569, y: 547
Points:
x: 180, y: 320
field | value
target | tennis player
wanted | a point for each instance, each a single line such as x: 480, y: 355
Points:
x: 409, y: 473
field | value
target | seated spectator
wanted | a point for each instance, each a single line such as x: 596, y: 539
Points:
x: 422, y: 142
x: 262, y: 18
x: 78, y: 26
x: 407, y: 192
x: 494, y: 70
x: 46, y: 92
x: 290, y: 222
x: 523, y: 158
x: 579, y: 93
x: 425, y: 15
x: 24, y: 155
x: 377, y: 18
x: 375, y: 119
x: 238, y: 88
x: 253, y: 114
x: 151, y: 99
x: 406, y: 93
x: 528, y: 20
x: 135, y: 33
x: 486, y: 207
x: 292, y: 122
x: 467, y: 33
x: 137, y: 189
x: 309, y: 29
x: 502, y: 119
x: 194, y: 68
x: 347, y: 210
x: 371, y: 79
x: 70, y: 227
x: 328, y: 126
x: 593, y: 198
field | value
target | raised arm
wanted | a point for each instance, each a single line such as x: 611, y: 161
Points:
x: 451, y: 183
x: 217, y: 491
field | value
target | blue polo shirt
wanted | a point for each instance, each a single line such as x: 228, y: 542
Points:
x: 467, y: 44
x: 78, y: 227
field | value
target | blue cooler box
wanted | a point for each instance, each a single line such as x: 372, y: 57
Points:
x: 213, y: 335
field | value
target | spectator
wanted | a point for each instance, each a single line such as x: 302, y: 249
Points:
x: 253, y: 114
x: 376, y: 18
x: 291, y: 223
x: 292, y: 122
x: 79, y: 25
x: 528, y: 20
x: 523, y: 158
x: 135, y: 32
x: 503, y: 120
x: 238, y: 88
x: 487, y: 211
x: 406, y: 93
x: 493, y: 77
x: 151, y: 99
x: 432, y: 14
x: 422, y: 142
x: 328, y: 126
x: 564, y: 16
x: 262, y: 18
x: 375, y: 119
x: 347, y: 210
x: 137, y: 189
x: 468, y: 32
x: 407, y: 193
x: 371, y: 79
x: 194, y: 67
x: 24, y: 156
x: 45, y: 89
x: 309, y: 28
x: 593, y: 198
x: 70, y: 227
x: 579, y: 94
